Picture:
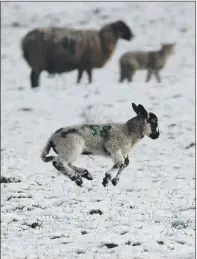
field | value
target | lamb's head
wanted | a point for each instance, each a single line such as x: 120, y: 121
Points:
x: 168, y: 49
x: 122, y: 30
x: 149, y: 121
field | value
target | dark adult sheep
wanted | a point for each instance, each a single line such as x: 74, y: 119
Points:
x: 58, y: 50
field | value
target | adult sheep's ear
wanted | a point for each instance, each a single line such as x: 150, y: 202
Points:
x: 121, y: 30
x: 142, y: 111
x: 135, y: 108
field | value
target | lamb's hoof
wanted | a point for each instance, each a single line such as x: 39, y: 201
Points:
x: 77, y: 180
x: 104, y: 182
x: 87, y: 175
x: 106, y: 179
x: 114, y: 181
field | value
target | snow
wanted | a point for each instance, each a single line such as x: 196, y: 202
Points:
x: 150, y: 213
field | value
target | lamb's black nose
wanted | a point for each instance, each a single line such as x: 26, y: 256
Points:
x: 155, y: 135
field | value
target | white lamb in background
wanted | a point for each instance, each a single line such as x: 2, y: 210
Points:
x: 114, y: 140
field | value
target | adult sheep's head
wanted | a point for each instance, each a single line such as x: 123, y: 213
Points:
x: 122, y: 30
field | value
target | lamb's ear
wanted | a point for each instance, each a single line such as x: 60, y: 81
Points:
x: 135, y: 108
x: 142, y: 111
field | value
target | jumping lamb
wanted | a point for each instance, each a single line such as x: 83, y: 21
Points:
x: 153, y: 61
x: 113, y: 140
x: 57, y: 50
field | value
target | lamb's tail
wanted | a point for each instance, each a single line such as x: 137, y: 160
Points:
x: 45, y: 152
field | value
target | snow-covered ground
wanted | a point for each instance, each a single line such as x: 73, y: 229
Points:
x: 151, y: 212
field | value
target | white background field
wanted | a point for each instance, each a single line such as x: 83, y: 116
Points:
x: 150, y: 213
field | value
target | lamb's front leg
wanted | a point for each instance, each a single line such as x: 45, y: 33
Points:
x: 118, y: 164
x: 149, y: 74
x: 116, y: 179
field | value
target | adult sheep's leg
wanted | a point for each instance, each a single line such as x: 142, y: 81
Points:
x: 80, y: 73
x: 116, y: 179
x: 34, y: 78
x: 82, y: 172
x: 122, y: 77
x: 64, y: 168
x: 89, y: 72
x: 118, y: 164
x: 130, y: 76
x: 129, y: 79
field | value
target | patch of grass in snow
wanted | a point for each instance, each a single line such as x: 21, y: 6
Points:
x: 179, y: 224
x: 80, y: 251
x: 133, y: 243
x: 33, y: 225
x: 19, y: 197
x: 96, y: 212
x: 181, y: 242
x: 4, y: 179
x: 83, y: 232
x: 124, y: 232
x: 26, y: 109
x: 190, y: 145
x: 38, y: 206
x: 56, y: 237
x: 160, y: 242
x: 110, y: 245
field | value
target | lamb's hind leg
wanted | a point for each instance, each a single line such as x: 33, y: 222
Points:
x: 82, y: 172
x: 64, y: 168
x: 149, y: 74
x: 116, y: 179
